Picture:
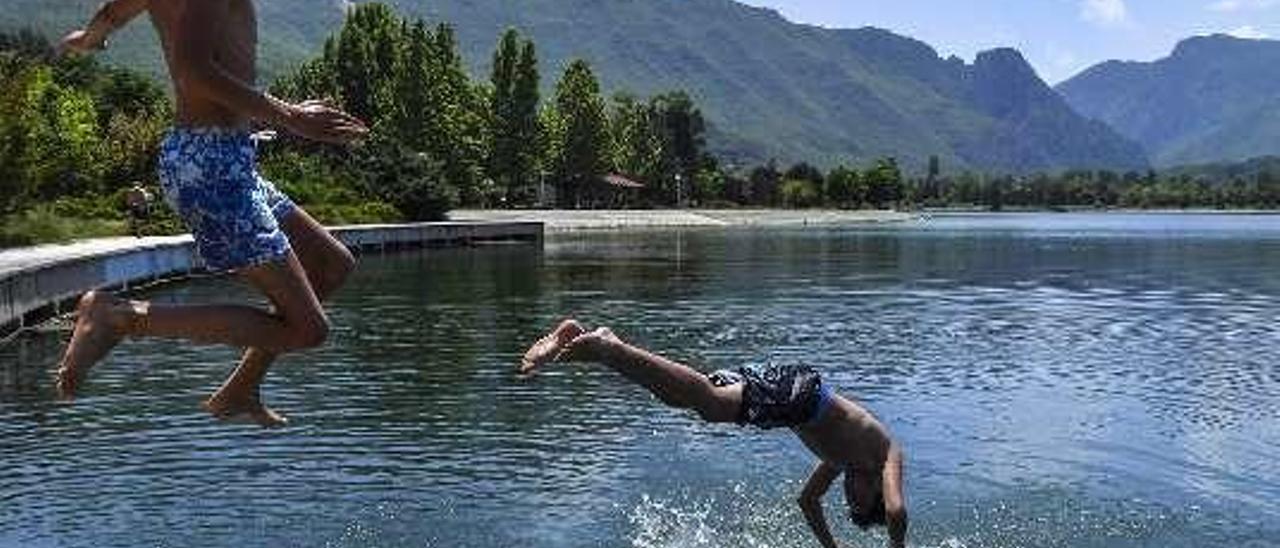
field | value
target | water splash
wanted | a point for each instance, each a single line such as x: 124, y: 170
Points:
x: 734, y: 521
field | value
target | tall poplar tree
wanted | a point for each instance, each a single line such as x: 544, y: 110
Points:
x: 513, y: 117
x: 583, y: 148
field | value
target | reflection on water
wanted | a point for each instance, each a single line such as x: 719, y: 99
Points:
x: 1059, y: 380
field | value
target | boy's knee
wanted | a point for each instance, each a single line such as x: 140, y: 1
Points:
x: 339, y: 267
x: 346, y: 261
x: 311, y: 333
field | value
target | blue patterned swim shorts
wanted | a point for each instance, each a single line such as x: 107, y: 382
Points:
x: 211, y: 180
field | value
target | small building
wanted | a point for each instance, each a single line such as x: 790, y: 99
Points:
x: 613, y: 191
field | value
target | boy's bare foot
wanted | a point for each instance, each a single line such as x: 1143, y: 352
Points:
x: 547, y: 348
x: 97, y: 331
x: 589, y: 347
x: 243, y: 411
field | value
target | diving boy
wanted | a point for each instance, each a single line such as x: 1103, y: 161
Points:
x: 846, y: 438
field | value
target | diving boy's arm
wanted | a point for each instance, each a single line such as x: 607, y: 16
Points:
x: 811, y: 502
x: 895, y: 504
x: 112, y: 15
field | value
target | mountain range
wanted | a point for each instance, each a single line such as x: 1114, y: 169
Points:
x: 769, y: 88
x: 1215, y: 98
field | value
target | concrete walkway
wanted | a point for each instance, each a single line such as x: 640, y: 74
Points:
x: 21, y: 259
x: 43, y: 281
x: 562, y: 220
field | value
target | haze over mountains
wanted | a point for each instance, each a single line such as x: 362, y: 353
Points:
x: 768, y: 87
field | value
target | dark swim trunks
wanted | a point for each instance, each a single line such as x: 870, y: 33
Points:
x: 776, y: 397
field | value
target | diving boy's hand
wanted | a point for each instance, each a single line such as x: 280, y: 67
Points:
x: 81, y: 41
x: 317, y: 120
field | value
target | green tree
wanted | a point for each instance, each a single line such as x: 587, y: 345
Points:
x: 682, y: 129
x: 765, y: 181
x: 637, y: 146
x: 884, y: 183
x: 61, y: 138
x: 460, y: 143
x: 710, y: 185
x: 528, y: 124
x: 363, y: 59
x: 17, y: 76
x: 582, y: 152
x: 513, y: 117
x: 412, y: 111
x: 846, y: 188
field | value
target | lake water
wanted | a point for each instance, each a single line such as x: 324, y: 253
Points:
x: 1058, y: 381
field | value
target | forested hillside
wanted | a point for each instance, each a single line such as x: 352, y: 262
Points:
x: 769, y: 88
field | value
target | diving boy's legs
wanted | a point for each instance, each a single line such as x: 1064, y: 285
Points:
x: 676, y: 384
x: 327, y: 263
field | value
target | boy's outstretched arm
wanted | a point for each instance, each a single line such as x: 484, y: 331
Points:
x: 196, y: 70
x: 811, y: 502
x: 112, y: 15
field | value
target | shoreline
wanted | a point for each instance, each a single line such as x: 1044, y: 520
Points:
x: 1092, y: 210
x: 564, y: 220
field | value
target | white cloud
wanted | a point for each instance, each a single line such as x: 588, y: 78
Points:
x: 1105, y: 12
x: 1250, y: 32
x: 1239, y: 5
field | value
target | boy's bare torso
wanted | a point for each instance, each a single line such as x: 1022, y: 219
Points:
x: 235, y: 52
x: 847, y: 436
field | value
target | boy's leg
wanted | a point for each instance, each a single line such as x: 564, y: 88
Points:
x: 298, y: 321
x: 676, y: 384
x: 327, y: 263
x: 548, y: 348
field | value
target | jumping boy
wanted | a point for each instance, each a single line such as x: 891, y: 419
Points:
x: 844, y: 436
x: 240, y: 221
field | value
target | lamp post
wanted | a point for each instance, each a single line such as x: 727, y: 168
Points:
x: 542, y: 187
x: 679, y: 191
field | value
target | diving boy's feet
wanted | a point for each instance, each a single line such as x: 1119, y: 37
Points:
x: 243, y: 411
x: 99, y: 327
x: 547, y: 348
x: 589, y: 347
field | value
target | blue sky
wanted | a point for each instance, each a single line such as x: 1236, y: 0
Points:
x: 1059, y: 37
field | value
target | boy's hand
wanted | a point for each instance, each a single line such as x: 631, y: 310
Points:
x: 319, y: 121
x: 81, y: 41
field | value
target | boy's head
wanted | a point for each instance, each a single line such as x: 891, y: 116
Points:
x: 870, y: 504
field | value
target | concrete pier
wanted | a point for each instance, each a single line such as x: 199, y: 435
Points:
x: 37, y: 283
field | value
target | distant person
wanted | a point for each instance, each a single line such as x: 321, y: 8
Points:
x: 846, y: 438
x: 240, y: 221
x: 137, y: 206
